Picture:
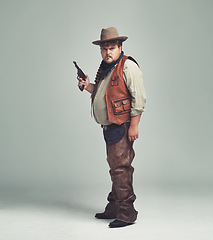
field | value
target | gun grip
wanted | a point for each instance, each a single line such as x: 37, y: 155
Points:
x: 81, y: 87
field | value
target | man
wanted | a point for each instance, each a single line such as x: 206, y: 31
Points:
x: 118, y: 100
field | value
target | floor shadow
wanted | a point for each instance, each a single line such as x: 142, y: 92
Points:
x: 57, y: 200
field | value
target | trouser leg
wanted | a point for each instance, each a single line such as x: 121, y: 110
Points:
x: 121, y: 198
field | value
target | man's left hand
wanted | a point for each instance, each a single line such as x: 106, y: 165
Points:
x: 133, y: 133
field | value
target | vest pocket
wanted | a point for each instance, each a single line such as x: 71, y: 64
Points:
x: 121, y: 106
x: 126, y: 104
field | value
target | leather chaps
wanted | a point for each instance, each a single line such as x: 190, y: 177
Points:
x: 119, y: 157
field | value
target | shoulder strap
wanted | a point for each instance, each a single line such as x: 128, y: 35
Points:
x: 131, y: 58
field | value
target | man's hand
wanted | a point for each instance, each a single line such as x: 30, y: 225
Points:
x: 82, y: 82
x: 133, y: 132
x: 87, y: 85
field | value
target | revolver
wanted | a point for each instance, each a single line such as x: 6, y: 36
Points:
x: 80, y: 74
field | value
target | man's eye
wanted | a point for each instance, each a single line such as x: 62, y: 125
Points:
x: 111, y: 49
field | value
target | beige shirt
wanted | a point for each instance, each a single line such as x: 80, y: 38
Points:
x: 133, y: 78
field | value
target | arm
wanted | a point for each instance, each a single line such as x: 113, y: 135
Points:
x: 133, y: 132
x: 133, y: 78
x: 87, y: 85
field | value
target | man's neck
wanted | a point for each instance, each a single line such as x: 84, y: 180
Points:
x: 105, y: 67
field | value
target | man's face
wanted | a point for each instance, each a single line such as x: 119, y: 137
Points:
x: 110, y: 53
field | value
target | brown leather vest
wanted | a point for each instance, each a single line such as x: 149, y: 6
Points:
x: 118, y: 99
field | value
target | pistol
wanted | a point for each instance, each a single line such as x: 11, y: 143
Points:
x: 80, y: 74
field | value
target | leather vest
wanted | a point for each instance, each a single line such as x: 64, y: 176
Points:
x: 118, y: 99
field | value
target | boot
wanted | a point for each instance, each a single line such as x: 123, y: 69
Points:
x: 102, y: 216
x: 117, y: 223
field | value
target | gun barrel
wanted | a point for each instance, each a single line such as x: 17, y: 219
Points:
x: 76, y: 65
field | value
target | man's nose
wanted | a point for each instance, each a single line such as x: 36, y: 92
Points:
x: 108, y: 51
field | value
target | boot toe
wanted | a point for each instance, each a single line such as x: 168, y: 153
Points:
x: 101, y: 216
x: 118, y: 223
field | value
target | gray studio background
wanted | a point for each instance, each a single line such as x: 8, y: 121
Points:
x: 48, y: 137
x: 48, y: 140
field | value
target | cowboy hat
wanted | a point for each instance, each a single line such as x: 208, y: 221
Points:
x: 109, y: 34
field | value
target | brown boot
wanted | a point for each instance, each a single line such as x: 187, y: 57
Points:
x: 102, y: 216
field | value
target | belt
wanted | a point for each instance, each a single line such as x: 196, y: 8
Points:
x: 111, y: 126
x: 107, y: 127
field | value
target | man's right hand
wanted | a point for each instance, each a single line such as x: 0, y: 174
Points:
x: 81, y: 82
x: 87, y: 85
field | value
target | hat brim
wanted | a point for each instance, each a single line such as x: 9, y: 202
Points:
x: 122, y: 39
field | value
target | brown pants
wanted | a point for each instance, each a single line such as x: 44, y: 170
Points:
x: 121, y: 198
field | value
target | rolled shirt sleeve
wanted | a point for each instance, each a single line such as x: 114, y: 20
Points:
x: 133, y: 77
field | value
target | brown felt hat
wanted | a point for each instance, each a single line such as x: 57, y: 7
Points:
x: 109, y: 34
